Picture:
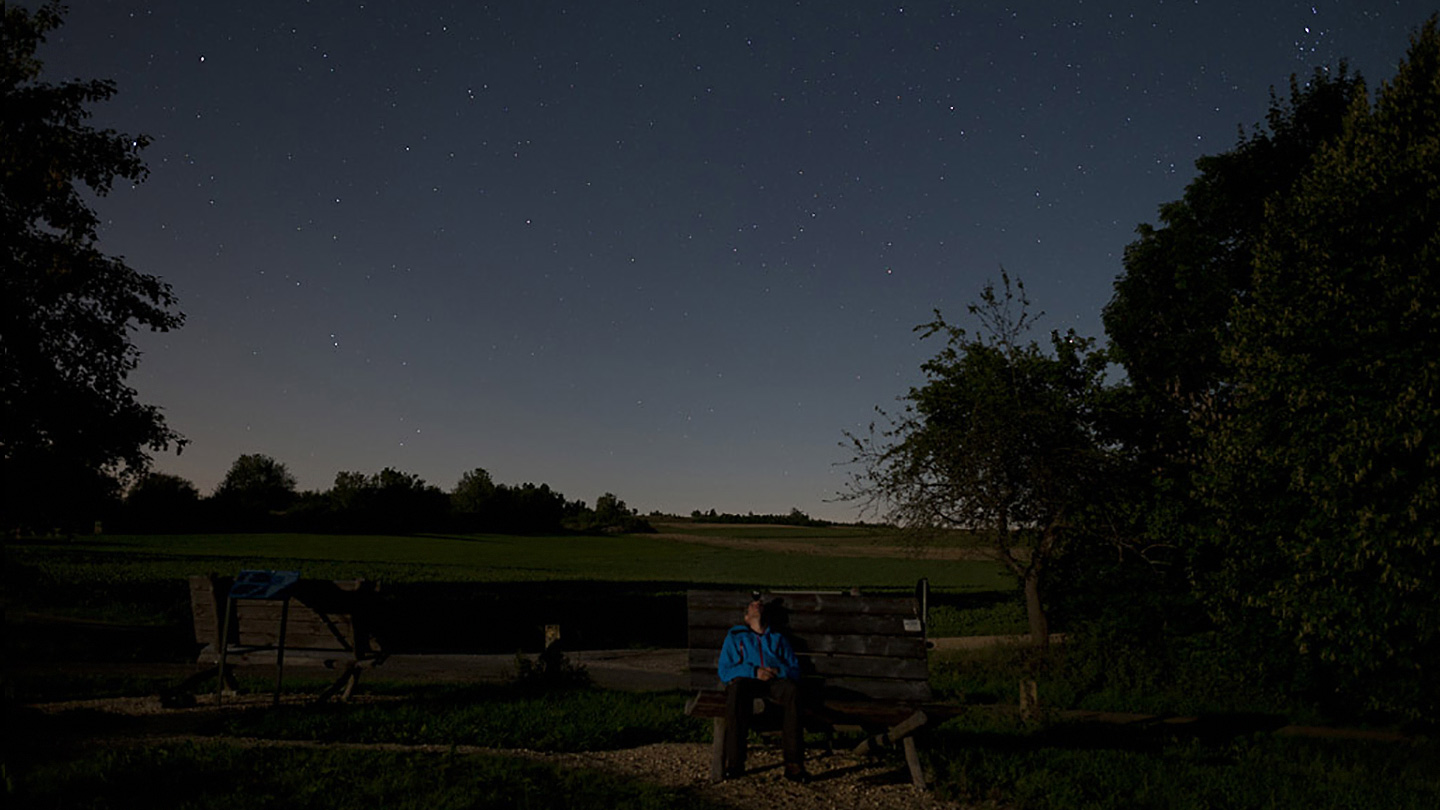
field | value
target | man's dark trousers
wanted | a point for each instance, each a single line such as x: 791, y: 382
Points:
x: 740, y: 696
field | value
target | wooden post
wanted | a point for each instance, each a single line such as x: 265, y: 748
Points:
x: 1029, y: 699
x: 280, y: 649
x: 717, y: 750
x: 912, y: 759
x: 224, y: 642
x: 895, y: 734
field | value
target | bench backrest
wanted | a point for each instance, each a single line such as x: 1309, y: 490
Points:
x: 324, y: 615
x: 854, y: 647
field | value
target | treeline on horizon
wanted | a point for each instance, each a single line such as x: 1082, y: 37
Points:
x: 795, y: 517
x: 259, y: 494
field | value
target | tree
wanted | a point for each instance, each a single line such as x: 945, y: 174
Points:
x: 161, y: 502
x: 255, y: 486
x: 1170, y: 314
x: 70, y: 426
x: 1003, y: 439
x: 611, y: 515
x: 473, y: 493
x: 1324, y: 474
x: 1170, y: 317
x: 402, y: 501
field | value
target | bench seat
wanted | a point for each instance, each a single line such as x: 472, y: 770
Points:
x: 326, y: 623
x: 863, y: 664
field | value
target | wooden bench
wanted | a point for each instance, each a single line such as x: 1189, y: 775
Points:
x: 326, y: 623
x: 862, y: 661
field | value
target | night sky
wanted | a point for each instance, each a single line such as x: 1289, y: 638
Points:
x: 663, y: 249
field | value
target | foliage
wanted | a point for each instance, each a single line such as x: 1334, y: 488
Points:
x: 161, y: 503
x: 481, y: 505
x: 795, y: 517
x: 69, y: 423
x: 610, y: 516
x: 254, y: 488
x: 473, y: 493
x: 1003, y: 440
x: 1324, y: 475
x: 388, y: 501
x: 1168, y: 323
x: 1086, y: 766
x: 1170, y: 316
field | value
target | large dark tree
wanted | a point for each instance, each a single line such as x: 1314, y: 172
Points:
x: 1171, y: 317
x: 1003, y: 440
x: 1323, y: 475
x: 161, y: 502
x: 254, y: 489
x: 70, y: 426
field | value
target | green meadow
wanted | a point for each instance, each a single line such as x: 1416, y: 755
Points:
x: 509, y: 558
x: 441, y: 592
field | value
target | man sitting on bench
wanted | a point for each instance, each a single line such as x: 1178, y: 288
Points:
x: 758, y: 663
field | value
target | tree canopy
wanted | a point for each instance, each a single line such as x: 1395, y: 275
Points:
x: 69, y: 423
x: 257, y: 485
x: 1323, y: 474
x: 1002, y: 440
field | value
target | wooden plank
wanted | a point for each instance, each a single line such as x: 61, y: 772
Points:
x: 250, y: 656
x: 293, y: 641
x: 892, y: 735
x: 891, y: 646
x: 842, y: 689
x: 324, y: 615
x: 337, y: 627
x: 833, y: 665
x: 706, y: 624
x: 839, y: 689
x: 733, y: 603
x: 206, y: 609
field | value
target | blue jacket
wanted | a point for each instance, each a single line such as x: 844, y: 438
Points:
x: 745, y: 650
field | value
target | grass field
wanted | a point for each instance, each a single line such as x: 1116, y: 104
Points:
x: 587, y: 584
x: 59, y: 576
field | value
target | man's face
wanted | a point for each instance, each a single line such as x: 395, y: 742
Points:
x: 753, y: 612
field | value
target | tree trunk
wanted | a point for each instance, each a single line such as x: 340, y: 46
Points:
x: 1035, y: 612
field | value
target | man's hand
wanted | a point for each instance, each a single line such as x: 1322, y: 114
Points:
x: 766, y: 673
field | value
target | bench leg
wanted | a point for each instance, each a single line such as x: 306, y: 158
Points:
x: 893, y: 735
x: 343, y: 685
x: 912, y: 759
x: 717, y: 751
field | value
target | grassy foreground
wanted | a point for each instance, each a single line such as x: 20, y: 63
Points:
x: 208, y: 775
x: 979, y: 757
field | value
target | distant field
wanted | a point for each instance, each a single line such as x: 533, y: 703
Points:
x: 505, y: 558
x: 858, y: 541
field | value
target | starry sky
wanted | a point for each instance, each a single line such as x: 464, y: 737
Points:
x: 670, y: 250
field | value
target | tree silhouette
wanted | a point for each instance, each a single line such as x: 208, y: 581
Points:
x: 1001, y: 440
x: 70, y: 426
x: 1323, y: 475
